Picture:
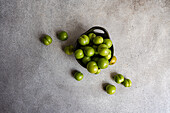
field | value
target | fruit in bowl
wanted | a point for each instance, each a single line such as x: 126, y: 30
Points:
x: 103, y: 50
x: 84, y: 40
x: 92, y: 67
x: 94, y: 50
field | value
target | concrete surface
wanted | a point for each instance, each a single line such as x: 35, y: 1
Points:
x: 35, y: 78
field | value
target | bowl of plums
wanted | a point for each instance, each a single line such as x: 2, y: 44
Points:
x: 94, y: 50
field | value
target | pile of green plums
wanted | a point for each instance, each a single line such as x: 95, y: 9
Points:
x: 94, y: 52
x: 119, y: 78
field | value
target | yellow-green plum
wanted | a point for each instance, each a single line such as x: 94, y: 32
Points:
x: 92, y: 67
x: 79, y: 54
x: 84, y: 40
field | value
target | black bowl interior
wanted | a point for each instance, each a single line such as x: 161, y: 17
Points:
x: 105, y: 35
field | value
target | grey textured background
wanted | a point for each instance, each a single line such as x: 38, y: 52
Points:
x: 35, y: 78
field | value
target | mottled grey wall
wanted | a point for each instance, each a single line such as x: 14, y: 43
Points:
x: 35, y: 78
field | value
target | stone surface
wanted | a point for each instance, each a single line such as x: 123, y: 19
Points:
x: 35, y: 78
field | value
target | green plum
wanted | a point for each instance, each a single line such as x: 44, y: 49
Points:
x: 83, y: 47
x: 92, y: 67
x: 98, y: 40
x: 108, y: 42
x: 79, y: 54
x: 62, y: 36
x: 119, y: 78
x: 91, y: 36
x: 84, y: 40
x: 110, y: 89
x: 103, y: 63
x: 47, y: 40
x: 103, y: 50
x: 95, y: 49
x: 89, y: 51
x: 113, y: 60
x: 109, y: 55
x: 95, y: 59
x: 99, y: 70
x: 127, y: 83
x: 69, y: 50
x: 86, y: 59
x: 78, y: 76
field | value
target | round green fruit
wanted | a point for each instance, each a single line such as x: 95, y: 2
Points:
x: 95, y: 59
x: 98, y: 40
x: 86, y: 59
x: 119, y: 78
x: 99, y: 70
x: 92, y: 67
x: 47, y: 40
x: 91, y: 36
x: 110, y: 89
x: 95, y: 49
x: 69, y: 50
x: 84, y: 40
x: 62, y: 35
x: 108, y: 42
x: 79, y: 54
x: 103, y: 50
x: 127, y: 83
x: 78, y: 76
x: 109, y: 55
x: 89, y: 51
x: 103, y: 63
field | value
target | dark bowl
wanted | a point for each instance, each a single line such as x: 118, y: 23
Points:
x: 105, y: 35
